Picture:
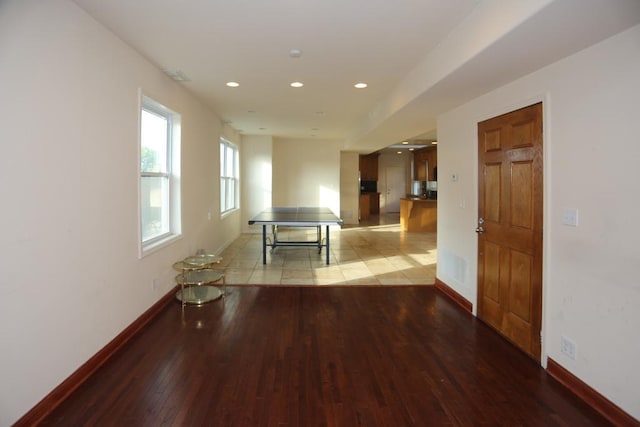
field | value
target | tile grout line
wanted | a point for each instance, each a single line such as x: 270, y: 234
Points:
x: 356, y: 258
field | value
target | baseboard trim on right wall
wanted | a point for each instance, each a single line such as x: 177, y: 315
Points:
x: 453, y: 295
x: 608, y: 409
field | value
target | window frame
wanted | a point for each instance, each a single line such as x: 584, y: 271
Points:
x: 228, y: 181
x: 172, y: 174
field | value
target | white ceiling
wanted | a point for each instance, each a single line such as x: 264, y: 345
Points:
x: 387, y: 44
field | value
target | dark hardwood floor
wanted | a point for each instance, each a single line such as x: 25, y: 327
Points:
x: 322, y: 356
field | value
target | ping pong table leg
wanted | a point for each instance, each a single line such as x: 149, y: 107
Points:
x: 327, y: 248
x: 264, y: 243
x: 319, y: 238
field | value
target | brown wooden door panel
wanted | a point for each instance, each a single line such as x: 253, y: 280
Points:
x: 521, y: 206
x: 519, y: 302
x: 492, y: 271
x: 492, y: 192
x: 510, y: 248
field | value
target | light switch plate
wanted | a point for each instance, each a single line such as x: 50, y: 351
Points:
x: 570, y: 217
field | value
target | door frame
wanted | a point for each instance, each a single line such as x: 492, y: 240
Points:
x: 543, y: 98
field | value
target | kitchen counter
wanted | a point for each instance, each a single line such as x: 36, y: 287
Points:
x: 418, y: 214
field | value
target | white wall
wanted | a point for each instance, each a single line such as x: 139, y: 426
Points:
x: 591, y: 155
x: 256, y: 183
x: 71, y: 276
x: 306, y: 173
x: 290, y: 172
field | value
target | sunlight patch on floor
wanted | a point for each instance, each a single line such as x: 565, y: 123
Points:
x: 375, y: 254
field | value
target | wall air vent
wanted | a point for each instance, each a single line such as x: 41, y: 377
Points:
x: 177, y: 75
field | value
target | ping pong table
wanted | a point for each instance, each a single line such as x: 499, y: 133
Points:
x: 295, y: 217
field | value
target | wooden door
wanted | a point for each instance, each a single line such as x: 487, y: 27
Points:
x: 510, y: 226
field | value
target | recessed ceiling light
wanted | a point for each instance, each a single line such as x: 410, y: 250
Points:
x: 233, y: 84
x: 297, y: 84
x: 360, y: 85
x: 411, y: 149
x: 405, y: 142
x: 295, y: 53
x: 434, y: 142
x: 399, y: 152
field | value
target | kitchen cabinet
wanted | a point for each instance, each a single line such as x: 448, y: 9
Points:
x: 365, y: 207
x: 369, y: 205
x: 369, y: 167
x: 374, y: 203
x: 420, y: 159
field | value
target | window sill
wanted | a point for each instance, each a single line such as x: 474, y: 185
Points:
x: 228, y: 213
x: 147, y: 249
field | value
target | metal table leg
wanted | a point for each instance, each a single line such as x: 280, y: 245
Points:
x: 327, y: 248
x: 264, y: 243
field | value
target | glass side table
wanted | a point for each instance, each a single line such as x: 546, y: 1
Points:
x: 196, y: 286
x: 203, y: 260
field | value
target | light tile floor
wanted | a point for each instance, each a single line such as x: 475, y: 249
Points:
x: 376, y: 253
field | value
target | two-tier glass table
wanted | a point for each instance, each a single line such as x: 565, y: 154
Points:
x: 196, y: 286
x: 197, y: 279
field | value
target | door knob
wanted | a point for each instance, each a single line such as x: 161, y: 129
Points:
x: 480, y: 230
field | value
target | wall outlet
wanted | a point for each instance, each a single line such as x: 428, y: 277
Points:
x: 155, y: 283
x: 570, y: 217
x: 568, y: 348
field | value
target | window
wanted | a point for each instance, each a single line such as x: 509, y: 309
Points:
x: 159, y: 167
x: 229, y: 177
